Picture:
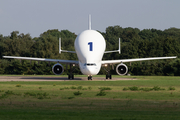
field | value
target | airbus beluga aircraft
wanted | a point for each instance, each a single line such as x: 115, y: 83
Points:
x: 90, y: 47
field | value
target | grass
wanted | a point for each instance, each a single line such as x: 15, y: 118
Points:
x: 77, y: 93
x: 155, y: 88
x: 18, y: 85
x: 171, y: 88
x: 102, y: 100
x: 101, y: 93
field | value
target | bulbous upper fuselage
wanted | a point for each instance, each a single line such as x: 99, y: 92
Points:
x: 90, y: 46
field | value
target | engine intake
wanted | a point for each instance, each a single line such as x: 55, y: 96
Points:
x: 57, y: 69
x: 121, y: 69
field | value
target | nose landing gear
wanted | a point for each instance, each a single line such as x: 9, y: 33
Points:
x: 90, y: 77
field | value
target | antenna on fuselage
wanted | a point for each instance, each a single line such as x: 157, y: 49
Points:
x: 89, y: 22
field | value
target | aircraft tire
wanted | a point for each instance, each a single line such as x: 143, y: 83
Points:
x: 68, y: 76
x: 110, y: 76
x: 72, y: 76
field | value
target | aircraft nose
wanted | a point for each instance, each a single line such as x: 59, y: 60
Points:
x: 91, y: 71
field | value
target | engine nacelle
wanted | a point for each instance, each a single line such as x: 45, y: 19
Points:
x: 57, y: 69
x: 121, y: 69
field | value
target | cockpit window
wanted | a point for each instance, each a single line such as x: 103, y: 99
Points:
x: 89, y: 64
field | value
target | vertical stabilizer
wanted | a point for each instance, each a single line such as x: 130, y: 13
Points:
x: 89, y: 22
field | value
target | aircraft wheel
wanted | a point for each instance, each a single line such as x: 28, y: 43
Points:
x: 72, y: 76
x: 68, y: 76
x: 89, y: 77
x: 108, y: 76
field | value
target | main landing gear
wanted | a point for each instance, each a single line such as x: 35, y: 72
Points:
x: 90, y: 77
x: 107, y: 69
x: 108, y: 76
x: 71, y: 75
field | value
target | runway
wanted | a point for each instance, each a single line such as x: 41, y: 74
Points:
x: 34, y: 78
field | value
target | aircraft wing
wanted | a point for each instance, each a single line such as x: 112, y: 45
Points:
x: 43, y: 59
x: 134, y: 60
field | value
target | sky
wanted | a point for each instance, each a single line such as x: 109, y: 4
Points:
x: 38, y: 16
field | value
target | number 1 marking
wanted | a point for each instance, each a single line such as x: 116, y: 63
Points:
x: 90, y: 46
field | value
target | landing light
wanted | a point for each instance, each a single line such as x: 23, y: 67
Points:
x: 105, y: 65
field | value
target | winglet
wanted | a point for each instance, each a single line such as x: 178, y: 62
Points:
x: 60, y: 46
x: 89, y: 22
x: 119, y: 50
x: 119, y: 46
x: 63, y: 50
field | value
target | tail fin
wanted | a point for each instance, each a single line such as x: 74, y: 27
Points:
x: 89, y: 22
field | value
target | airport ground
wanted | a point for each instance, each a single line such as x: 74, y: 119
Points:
x: 122, y: 98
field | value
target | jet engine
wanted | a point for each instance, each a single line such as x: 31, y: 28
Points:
x: 57, y: 69
x: 121, y: 69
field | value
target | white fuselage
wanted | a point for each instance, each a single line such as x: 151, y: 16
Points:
x: 90, y: 46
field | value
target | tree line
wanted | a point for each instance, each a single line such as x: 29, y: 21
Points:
x: 135, y: 43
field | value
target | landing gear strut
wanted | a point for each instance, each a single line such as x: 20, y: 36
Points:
x: 71, y: 76
x: 89, y: 77
x: 108, y: 74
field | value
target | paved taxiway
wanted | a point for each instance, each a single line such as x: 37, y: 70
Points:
x: 32, y: 78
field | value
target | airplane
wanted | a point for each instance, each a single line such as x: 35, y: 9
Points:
x: 90, y: 47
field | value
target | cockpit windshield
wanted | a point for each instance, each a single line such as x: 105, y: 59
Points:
x: 89, y: 64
